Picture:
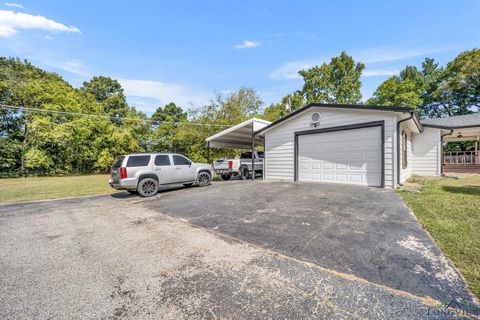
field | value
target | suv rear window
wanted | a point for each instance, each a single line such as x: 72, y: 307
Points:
x: 118, y: 162
x: 162, y: 160
x: 138, y: 161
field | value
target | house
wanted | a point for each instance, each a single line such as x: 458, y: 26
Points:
x: 363, y: 145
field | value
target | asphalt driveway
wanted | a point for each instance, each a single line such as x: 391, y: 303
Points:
x: 105, y: 258
x: 367, y: 232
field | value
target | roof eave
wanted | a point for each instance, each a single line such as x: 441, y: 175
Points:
x: 345, y: 106
x: 436, y: 126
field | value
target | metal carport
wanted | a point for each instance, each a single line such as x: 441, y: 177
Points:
x: 240, y: 136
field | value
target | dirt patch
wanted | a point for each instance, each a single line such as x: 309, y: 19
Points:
x: 442, y: 268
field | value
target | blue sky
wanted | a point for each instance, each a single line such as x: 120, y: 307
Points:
x: 186, y: 51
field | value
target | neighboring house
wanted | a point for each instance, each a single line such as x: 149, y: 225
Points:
x: 364, y: 145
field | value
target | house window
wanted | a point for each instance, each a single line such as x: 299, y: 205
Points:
x: 404, y: 150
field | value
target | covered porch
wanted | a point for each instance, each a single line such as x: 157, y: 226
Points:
x: 462, y: 157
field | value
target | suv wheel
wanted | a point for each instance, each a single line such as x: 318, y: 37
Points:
x: 203, y: 179
x: 147, y: 187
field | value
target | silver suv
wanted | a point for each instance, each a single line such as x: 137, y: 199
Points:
x: 144, y: 172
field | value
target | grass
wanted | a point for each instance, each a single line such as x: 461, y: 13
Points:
x: 449, y: 209
x: 39, y: 188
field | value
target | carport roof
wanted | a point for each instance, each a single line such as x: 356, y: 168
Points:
x: 239, y: 136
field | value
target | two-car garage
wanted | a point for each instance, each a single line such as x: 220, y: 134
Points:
x: 350, y: 154
x: 348, y: 144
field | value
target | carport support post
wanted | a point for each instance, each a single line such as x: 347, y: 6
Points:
x: 253, y: 154
x: 208, y: 152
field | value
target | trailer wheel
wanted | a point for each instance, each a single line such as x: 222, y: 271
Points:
x: 226, y: 176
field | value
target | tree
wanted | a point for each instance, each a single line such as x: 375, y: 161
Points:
x: 289, y: 103
x: 458, y: 89
x: 165, y: 133
x: 50, y: 142
x: 335, y: 82
x: 435, y: 91
x: 237, y: 106
x: 224, y: 110
x: 406, y: 89
x: 109, y: 93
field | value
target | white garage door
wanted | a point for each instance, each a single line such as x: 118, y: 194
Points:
x: 348, y: 156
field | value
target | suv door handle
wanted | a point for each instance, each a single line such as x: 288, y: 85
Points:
x: 177, y: 168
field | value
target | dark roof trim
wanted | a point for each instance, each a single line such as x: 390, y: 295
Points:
x: 419, y: 125
x: 436, y: 126
x: 345, y: 106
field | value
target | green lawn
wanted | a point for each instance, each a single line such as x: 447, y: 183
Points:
x: 450, y: 210
x: 39, y: 188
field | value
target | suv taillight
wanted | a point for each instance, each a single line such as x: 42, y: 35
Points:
x: 230, y: 164
x: 123, y: 173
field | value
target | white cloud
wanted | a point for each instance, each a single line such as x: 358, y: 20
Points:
x: 386, y: 54
x: 11, y: 22
x: 289, y: 70
x: 14, y: 5
x: 379, y: 72
x: 74, y: 67
x: 247, y: 44
x: 149, y: 94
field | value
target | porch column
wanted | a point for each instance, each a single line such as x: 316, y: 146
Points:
x: 477, y: 156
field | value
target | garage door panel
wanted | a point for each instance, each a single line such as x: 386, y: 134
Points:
x: 356, y: 178
x: 328, y: 176
x: 372, y: 144
x: 356, y: 155
x: 327, y: 165
x: 348, y: 156
x: 340, y: 166
x: 358, y: 166
x: 305, y: 165
x: 316, y: 176
x: 371, y: 155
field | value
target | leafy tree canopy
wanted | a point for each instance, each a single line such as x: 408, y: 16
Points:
x: 335, y: 82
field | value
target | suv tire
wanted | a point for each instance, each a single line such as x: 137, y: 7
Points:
x: 203, y: 179
x: 147, y: 187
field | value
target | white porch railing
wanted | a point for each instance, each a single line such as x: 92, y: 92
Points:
x: 461, y: 157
